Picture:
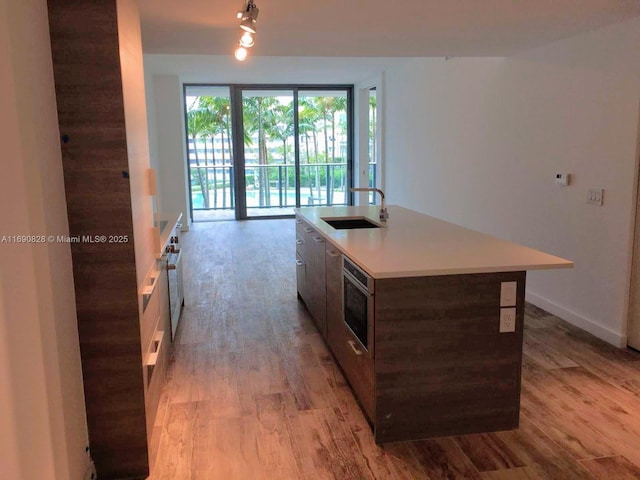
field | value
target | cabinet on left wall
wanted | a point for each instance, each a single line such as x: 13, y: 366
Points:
x: 121, y: 291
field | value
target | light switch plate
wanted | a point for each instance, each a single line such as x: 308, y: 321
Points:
x: 595, y: 196
x: 562, y: 179
x: 508, y: 292
x: 507, y: 320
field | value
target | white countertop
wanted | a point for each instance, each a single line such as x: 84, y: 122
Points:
x: 415, y: 245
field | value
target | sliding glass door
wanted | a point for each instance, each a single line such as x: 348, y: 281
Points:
x: 295, y: 149
x: 268, y: 132
x: 324, y: 132
x: 210, y: 161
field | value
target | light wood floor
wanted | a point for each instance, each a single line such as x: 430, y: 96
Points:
x: 253, y: 393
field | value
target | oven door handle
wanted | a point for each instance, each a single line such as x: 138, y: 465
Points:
x: 352, y: 344
x: 354, y: 281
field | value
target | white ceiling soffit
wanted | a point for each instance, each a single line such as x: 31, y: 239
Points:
x: 376, y: 28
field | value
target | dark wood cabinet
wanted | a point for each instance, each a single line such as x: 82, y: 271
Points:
x: 439, y: 365
x: 356, y: 364
x: 301, y: 246
x: 99, y: 79
x: 333, y: 274
x: 442, y: 367
x: 301, y: 277
x: 317, y: 282
x: 310, y: 261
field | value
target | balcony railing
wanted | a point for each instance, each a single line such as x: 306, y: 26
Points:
x: 218, y: 184
x: 271, y: 186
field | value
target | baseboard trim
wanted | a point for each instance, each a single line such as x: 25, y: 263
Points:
x: 579, y: 321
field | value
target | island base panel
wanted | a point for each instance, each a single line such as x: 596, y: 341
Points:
x: 441, y: 365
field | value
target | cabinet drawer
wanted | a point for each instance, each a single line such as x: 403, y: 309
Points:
x: 301, y: 278
x: 356, y: 366
x: 308, y: 235
x: 333, y: 262
x: 304, y: 238
x: 155, y: 372
x: 301, y: 246
x: 333, y: 268
x: 300, y: 227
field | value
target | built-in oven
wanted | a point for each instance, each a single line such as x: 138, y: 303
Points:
x: 174, y: 275
x: 358, y: 305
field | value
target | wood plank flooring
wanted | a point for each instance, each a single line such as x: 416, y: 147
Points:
x: 253, y: 392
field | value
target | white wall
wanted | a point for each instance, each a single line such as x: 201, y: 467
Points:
x: 135, y: 115
x: 43, y: 430
x: 167, y: 143
x: 361, y: 140
x: 303, y: 70
x: 478, y: 141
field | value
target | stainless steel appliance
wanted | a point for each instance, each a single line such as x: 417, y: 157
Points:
x: 174, y: 274
x: 358, y: 297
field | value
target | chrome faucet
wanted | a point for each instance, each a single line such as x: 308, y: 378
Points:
x: 384, y: 215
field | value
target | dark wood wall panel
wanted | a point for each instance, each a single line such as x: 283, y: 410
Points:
x: 442, y: 367
x: 86, y: 59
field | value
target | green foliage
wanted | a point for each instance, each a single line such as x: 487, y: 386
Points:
x: 208, y: 116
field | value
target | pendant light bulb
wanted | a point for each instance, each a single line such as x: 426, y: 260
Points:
x: 240, y: 53
x: 247, y: 40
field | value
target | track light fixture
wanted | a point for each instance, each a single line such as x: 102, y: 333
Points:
x: 248, y: 25
x: 248, y: 16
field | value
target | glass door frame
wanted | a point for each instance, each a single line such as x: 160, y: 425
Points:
x: 235, y: 93
x: 185, y: 116
x: 238, y: 147
x: 362, y: 178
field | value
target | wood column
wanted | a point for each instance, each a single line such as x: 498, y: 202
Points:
x: 103, y: 136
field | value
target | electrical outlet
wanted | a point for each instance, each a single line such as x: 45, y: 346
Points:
x: 507, y: 320
x: 508, y: 294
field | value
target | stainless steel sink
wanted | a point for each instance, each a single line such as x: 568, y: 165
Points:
x: 349, y: 223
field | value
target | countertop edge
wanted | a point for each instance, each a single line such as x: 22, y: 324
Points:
x: 561, y: 263
x: 467, y: 271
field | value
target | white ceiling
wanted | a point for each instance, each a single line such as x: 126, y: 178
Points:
x: 377, y: 28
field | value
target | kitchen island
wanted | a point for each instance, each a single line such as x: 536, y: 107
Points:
x: 424, y: 317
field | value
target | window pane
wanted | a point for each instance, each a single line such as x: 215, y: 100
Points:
x: 269, y: 156
x: 373, y: 147
x: 323, y: 147
x: 210, y: 152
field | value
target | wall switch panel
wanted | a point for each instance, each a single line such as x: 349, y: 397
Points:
x: 562, y: 179
x: 507, y: 320
x: 595, y: 196
x: 508, y: 294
